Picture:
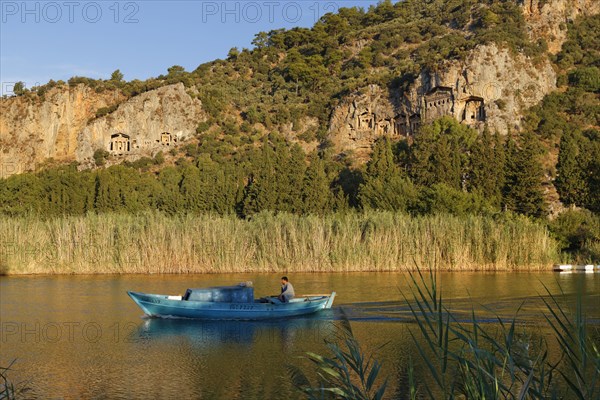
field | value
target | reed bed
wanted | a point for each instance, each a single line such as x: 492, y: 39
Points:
x: 372, y: 241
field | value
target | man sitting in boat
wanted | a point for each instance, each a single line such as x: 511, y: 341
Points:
x: 287, y: 290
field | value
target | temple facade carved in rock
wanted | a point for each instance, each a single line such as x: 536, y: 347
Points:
x: 371, y: 118
x: 123, y: 144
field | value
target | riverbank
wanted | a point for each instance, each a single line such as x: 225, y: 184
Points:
x: 371, y: 241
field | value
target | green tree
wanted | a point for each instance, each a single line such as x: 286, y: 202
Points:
x: 100, y: 156
x: 261, y: 40
x: 175, y: 70
x: 570, y: 181
x: 116, y: 76
x: 233, y: 53
x: 193, y: 190
x: 316, y: 195
x: 587, y: 78
x: 487, y: 167
x: 66, y: 192
x: 19, y: 88
x: 21, y: 194
x: 385, y: 187
x: 291, y: 178
x: 592, y: 166
x: 440, y: 153
x: 440, y: 198
x: 261, y: 191
x: 523, y: 191
x: 169, y: 199
x: 106, y: 193
x: 290, y: 170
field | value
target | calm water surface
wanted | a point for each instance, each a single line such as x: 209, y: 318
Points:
x: 82, y: 337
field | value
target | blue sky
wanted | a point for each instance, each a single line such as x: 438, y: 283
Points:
x: 43, y: 40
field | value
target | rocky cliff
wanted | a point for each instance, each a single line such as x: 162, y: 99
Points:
x: 63, y: 125
x: 492, y: 86
x: 33, y: 129
x: 143, y: 125
x: 548, y: 20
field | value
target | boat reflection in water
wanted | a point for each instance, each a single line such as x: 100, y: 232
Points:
x: 209, y: 333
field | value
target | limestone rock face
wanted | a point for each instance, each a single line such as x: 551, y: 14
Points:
x: 143, y: 125
x: 548, y: 19
x: 63, y: 126
x: 492, y: 86
x: 361, y: 118
x: 33, y: 130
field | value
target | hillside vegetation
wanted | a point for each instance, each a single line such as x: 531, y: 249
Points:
x: 241, y: 163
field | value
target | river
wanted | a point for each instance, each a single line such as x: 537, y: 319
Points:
x: 82, y: 337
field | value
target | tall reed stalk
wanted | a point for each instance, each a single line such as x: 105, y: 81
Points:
x: 373, y: 241
x: 8, y: 390
x: 349, y: 373
x: 474, y: 360
x: 469, y: 359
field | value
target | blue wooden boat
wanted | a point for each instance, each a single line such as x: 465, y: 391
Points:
x: 228, y: 303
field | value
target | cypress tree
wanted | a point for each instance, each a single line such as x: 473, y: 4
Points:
x: 523, y: 192
x: 192, y: 190
x: 261, y: 190
x: 422, y: 158
x: 170, y: 200
x: 107, y: 196
x: 384, y: 186
x: 570, y: 181
x: 316, y: 195
x: 447, y: 166
x: 440, y: 153
x: 500, y: 163
x: 290, y: 177
x: 487, y: 167
x: 592, y: 167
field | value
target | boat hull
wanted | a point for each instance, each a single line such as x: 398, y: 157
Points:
x: 156, y: 305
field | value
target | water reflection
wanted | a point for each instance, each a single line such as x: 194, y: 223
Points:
x: 212, y: 334
x: 139, y: 358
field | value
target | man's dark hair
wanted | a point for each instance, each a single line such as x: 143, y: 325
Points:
x: 284, y: 278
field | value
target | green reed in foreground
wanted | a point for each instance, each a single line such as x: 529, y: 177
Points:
x: 473, y: 359
x: 349, y: 373
x: 371, y: 241
x: 8, y: 390
x: 481, y: 361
